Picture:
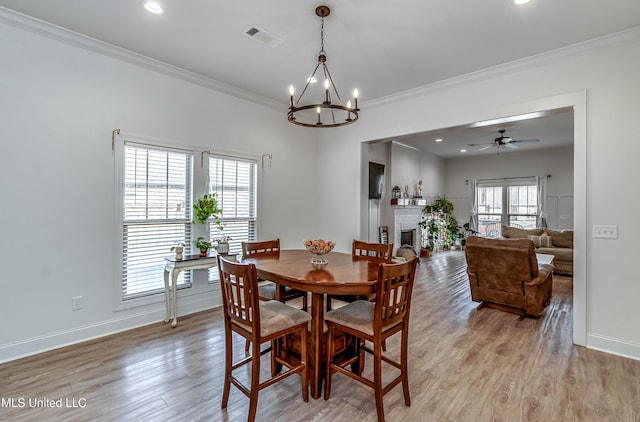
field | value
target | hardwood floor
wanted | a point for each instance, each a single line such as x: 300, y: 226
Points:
x: 464, y: 365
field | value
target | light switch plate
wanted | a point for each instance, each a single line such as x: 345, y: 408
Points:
x: 605, y: 231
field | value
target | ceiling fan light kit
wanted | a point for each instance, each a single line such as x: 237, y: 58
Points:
x: 328, y: 112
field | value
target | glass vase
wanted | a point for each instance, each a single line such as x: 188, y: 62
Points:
x: 318, y: 259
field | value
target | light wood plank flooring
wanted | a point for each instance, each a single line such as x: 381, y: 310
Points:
x: 465, y: 365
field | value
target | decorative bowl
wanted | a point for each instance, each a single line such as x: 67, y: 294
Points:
x: 319, y: 248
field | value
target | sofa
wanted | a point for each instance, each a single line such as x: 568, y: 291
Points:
x: 550, y: 242
x: 505, y: 274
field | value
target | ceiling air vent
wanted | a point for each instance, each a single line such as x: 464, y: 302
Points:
x: 263, y: 36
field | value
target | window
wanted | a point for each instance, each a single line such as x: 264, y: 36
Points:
x: 156, y: 188
x: 489, y: 210
x: 521, y: 210
x: 234, y: 182
x: 523, y: 206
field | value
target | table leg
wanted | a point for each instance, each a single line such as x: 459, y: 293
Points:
x: 315, y: 351
x: 174, y: 283
x: 167, y: 298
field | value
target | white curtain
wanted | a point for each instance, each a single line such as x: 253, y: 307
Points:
x: 541, y: 183
x: 473, y: 220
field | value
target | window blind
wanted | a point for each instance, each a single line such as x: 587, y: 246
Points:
x: 156, y: 215
x: 234, y: 182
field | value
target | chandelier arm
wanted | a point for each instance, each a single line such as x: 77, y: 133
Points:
x: 308, y: 82
x: 332, y: 84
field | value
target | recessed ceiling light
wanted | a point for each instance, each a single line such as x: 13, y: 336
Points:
x: 439, y: 140
x: 153, y: 7
x: 521, y: 1
x: 312, y: 80
x: 463, y: 150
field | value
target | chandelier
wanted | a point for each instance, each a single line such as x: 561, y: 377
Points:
x: 329, y: 112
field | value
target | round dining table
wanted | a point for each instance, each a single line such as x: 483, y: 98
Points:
x: 342, y: 275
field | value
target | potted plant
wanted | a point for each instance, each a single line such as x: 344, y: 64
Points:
x: 222, y: 244
x: 427, y: 250
x: 179, y: 249
x: 443, y: 205
x: 205, y: 208
x: 204, y: 245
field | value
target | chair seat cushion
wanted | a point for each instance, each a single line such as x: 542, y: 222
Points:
x: 357, y: 315
x: 276, y: 316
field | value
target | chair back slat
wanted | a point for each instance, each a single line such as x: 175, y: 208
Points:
x: 373, y: 251
x: 261, y: 248
x: 239, y: 286
x: 393, y: 292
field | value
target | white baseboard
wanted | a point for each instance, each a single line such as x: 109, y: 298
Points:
x: 32, y: 346
x: 613, y: 346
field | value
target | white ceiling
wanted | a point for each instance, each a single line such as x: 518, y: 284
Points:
x: 379, y: 46
x: 554, y: 130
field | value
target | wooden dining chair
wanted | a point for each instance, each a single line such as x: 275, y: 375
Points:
x: 383, y: 234
x: 259, y: 322
x: 375, y: 322
x: 267, y: 289
x: 382, y: 252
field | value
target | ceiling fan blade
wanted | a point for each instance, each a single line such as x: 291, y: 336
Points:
x: 483, y: 148
x: 477, y: 145
x: 525, y: 140
x: 510, y: 145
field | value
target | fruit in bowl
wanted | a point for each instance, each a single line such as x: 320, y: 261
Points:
x: 319, y: 248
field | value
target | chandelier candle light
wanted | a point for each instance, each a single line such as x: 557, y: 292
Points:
x: 328, y: 113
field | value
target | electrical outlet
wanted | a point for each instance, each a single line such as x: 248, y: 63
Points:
x: 77, y: 303
x: 605, y: 232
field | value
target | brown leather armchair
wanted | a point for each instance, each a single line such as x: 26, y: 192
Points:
x: 505, y: 274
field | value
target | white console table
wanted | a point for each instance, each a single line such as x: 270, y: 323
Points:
x: 172, y: 269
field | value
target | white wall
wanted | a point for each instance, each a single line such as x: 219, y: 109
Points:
x: 607, y: 147
x: 557, y: 162
x: 59, y: 105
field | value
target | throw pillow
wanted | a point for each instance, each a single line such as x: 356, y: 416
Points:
x: 540, y: 241
x: 561, y: 239
x: 545, y: 241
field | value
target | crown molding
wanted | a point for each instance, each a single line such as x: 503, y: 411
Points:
x: 58, y: 33
x: 506, y: 68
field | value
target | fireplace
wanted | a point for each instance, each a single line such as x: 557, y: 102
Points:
x: 407, y: 237
x: 405, y: 226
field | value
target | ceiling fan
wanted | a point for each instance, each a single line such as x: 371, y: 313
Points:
x: 504, y: 141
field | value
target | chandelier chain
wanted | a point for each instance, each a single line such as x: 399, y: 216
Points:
x: 322, y: 38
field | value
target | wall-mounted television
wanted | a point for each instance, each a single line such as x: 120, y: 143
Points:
x: 376, y: 180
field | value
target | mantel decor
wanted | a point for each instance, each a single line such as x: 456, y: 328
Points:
x: 329, y: 112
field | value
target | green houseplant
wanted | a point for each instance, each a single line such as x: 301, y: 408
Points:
x: 207, y: 207
x: 204, y: 245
